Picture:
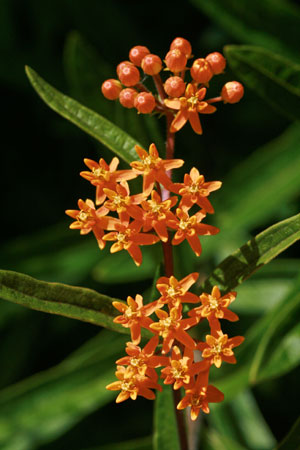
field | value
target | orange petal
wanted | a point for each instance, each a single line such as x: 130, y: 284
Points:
x: 179, y: 121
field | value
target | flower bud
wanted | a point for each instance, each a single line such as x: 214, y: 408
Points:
x: 111, y: 89
x: 151, y: 64
x: 175, y: 60
x: 201, y: 71
x: 217, y: 62
x: 144, y: 102
x: 232, y: 92
x: 127, y: 97
x: 183, y: 45
x: 123, y: 64
x: 174, y: 86
x: 137, y: 54
x: 129, y: 75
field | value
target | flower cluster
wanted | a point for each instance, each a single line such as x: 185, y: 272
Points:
x: 172, y: 347
x: 181, y: 95
x: 130, y: 221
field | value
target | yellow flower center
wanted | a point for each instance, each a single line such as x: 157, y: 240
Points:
x: 192, y: 102
x: 173, y: 292
x: 194, y: 188
x: 127, y: 386
x: 83, y: 216
x: 129, y: 313
x: 100, y: 173
x: 217, y: 348
x: 184, y: 224
x: 213, y: 302
x: 121, y: 237
x: 135, y: 362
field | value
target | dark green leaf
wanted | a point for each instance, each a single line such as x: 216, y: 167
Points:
x: 254, y: 254
x: 43, y: 407
x: 273, y: 24
x: 89, y: 121
x: 274, y: 78
x: 292, y: 439
x: 55, y: 298
x: 165, y: 425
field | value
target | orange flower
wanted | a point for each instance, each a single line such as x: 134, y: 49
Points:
x: 104, y: 175
x: 189, y: 227
x: 174, y: 292
x: 132, y: 384
x: 157, y: 213
x: 200, y: 395
x: 195, y: 190
x: 214, y: 307
x: 128, y: 238
x: 218, y: 348
x: 171, y: 327
x: 89, y: 219
x: 181, y: 370
x: 153, y: 168
x: 189, y: 108
x: 135, y: 316
x: 144, y: 361
x: 122, y: 203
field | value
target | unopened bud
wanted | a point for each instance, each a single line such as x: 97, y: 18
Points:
x: 129, y: 75
x: 151, y: 64
x: 137, y: 54
x: 183, y: 45
x: 111, y: 89
x: 127, y: 97
x: 144, y: 102
x: 232, y: 92
x: 201, y: 71
x: 217, y: 62
x: 174, y: 86
x: 176, y: 60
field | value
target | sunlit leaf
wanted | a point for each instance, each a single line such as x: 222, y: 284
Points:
x: 55, y: 298
x: 165, y: 425
x: 257, y: 252
x: 274, y: 78
x: 89, y: 121
x: 41, y: 408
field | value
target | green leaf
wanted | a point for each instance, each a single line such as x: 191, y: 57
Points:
x: 135, y: 444
x: 247, y: 22
x: 55, y: 298
x: 292, y: 439
x: 214, y: 440
x: 44, y: 406
x: 89, y: 121
x: 274, y: 78
x: 285, y: 357
x: 257, y: 252
x: 241, y: 420
x: 165, y: 425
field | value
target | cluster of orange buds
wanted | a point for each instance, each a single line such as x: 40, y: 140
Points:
x: 182, y: 94
x: 130, y: 221
x: 184, y: 362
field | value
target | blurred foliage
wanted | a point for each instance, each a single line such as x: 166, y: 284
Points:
x: 55, y: 369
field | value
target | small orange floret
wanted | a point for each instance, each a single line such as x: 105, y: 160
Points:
x: 217, y: 62
x: 183, y: 45
x: 218, y: 348
x: 137, y: 54
x: 232, y: 92
x: 175, y: 60
x: 174, y: 86
x: 201, y: 71
x: 127, y: 96
x: 151, y: 64
x: 174, y: 292
x: 111, y: 89
x: 144, y: 102
x: 135, y: 316
x: 215, y: 307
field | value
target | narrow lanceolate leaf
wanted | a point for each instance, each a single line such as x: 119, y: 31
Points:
x: 55, y: 298
x: 165, y: 425
x: 280, y: 32
x: 117, y: 140
x: 274, y: 78
x: 41, y: 408
x: 257, y: 252
x: 292, y: 439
